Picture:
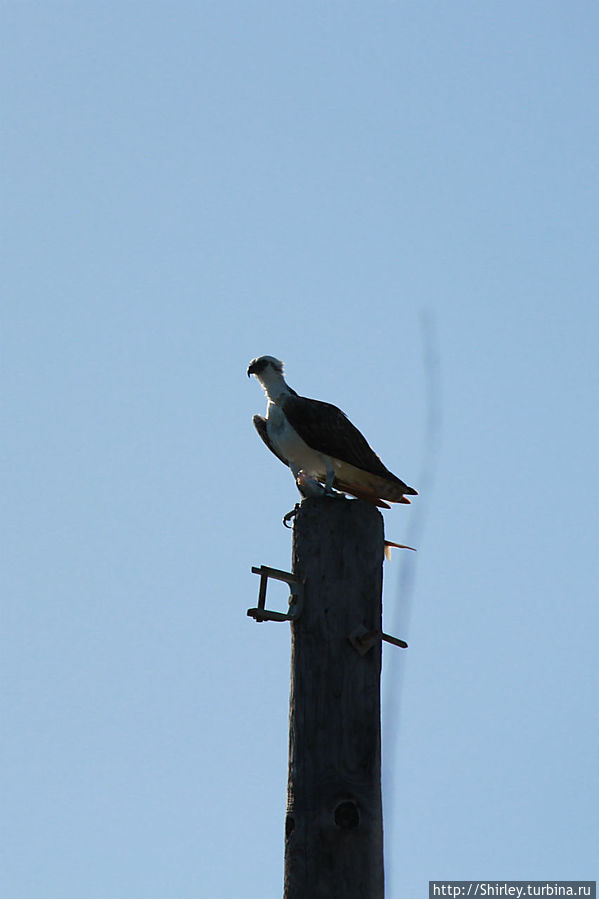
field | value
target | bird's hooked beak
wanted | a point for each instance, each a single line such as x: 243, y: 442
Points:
x: 255, y: 366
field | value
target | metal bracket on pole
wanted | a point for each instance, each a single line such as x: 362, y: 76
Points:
x: 362, y: 640
x: 295, y: 600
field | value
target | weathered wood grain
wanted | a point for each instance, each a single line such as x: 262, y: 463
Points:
x: 334, y: 830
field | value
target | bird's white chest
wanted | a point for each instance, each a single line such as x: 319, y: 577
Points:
x: 291, y: 446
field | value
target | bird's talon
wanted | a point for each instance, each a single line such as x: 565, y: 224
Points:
x: 334, y: 494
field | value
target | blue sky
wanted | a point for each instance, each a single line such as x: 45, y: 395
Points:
x: 187, y: 186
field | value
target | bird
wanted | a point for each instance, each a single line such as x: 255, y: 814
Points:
x: 316, y: 440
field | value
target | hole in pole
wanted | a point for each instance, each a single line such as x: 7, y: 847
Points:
x: 289, y: 825
x: 347, y: 815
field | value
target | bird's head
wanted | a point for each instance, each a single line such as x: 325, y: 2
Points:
x: 269, y: 371
x: 262, y: 364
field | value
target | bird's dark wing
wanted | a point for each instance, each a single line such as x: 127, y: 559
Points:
x: 328, y: 430
x: 260, y: 425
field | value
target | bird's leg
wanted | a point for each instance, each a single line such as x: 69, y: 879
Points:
x: 328, y: 487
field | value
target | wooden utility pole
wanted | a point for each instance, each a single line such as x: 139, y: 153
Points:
x: 334, y: 825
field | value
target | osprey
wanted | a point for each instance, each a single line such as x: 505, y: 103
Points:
x: 319, y: 443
